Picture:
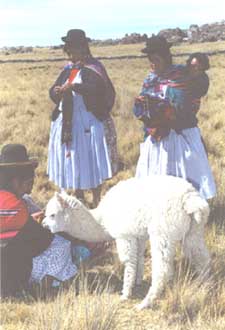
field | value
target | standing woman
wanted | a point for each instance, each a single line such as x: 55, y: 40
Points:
x: 82, y: 146
x: 173, y: 143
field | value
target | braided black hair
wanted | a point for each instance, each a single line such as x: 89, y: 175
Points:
x: 21, y: 173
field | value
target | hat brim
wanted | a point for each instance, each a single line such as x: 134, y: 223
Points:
x: 148, y: 50
x: 64, y: 39
x: 145, y: 50
x: 32, y: 161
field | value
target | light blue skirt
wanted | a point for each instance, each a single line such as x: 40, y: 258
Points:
x: 55, y: 261
x: 181, y: 155
x: 85, y: 164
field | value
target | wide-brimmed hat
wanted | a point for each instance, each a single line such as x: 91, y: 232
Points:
x: 15, y: 155
x: 157, y: 44
x: 76, y: 38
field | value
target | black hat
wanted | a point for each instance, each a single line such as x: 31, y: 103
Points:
x: 157, y: 44
x: 13, y: 155
x: 76, y: 38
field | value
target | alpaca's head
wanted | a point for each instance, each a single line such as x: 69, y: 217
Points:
x: 58, y: 210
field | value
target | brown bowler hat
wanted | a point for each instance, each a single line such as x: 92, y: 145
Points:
x: 156, y: 44
x: 76, y: 38
x: 13, y: 155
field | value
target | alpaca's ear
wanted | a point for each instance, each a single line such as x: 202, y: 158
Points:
x: 61, y: 200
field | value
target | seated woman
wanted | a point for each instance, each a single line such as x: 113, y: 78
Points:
x: 29, y: 252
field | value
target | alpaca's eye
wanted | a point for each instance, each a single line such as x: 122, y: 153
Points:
x: 52, y: 216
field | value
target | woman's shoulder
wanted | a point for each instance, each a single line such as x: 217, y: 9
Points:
x: 94, y: 61
x: 13, y: 211
x: 150, y: 79
x: 96, y: 66
x: 8, y: 199
x: 68, y: 66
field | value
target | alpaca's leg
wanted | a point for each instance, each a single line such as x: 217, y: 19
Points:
x: 127, y: 250
x: 96, y: 194
x: 140, y: 260
x: 162, y: 252
x: 79, y: 193
x: 195, y: 248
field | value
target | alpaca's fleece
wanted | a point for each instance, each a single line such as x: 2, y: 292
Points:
x: 166, y: 209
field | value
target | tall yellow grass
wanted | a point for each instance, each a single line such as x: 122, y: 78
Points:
x: 25, y: 111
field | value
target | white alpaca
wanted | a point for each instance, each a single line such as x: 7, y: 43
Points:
x: 166, y: 209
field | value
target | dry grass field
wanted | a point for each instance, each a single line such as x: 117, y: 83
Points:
x: 187, y: 304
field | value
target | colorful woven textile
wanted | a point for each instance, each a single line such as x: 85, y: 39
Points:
x: 170, y: 103
x: 13, y: 214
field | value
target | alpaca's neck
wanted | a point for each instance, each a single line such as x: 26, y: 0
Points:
x: 89, y: 227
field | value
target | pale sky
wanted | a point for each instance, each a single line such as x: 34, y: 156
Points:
x: 44, y: 22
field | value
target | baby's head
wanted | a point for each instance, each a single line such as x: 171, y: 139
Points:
x: 197, y: 63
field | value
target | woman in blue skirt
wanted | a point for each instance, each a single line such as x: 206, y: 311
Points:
x: 167, y: 106
x: 80, y: 153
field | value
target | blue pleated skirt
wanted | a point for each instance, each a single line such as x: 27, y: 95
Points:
x: 55, y: 261
x: 181, y: 155
x: 85, y: 163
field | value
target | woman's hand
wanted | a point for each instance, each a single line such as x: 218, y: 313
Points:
x: 144, y: 100
x: 38, y: 216
x: 66, y: 87
x: 59, y: 90
x: 139, y: 99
